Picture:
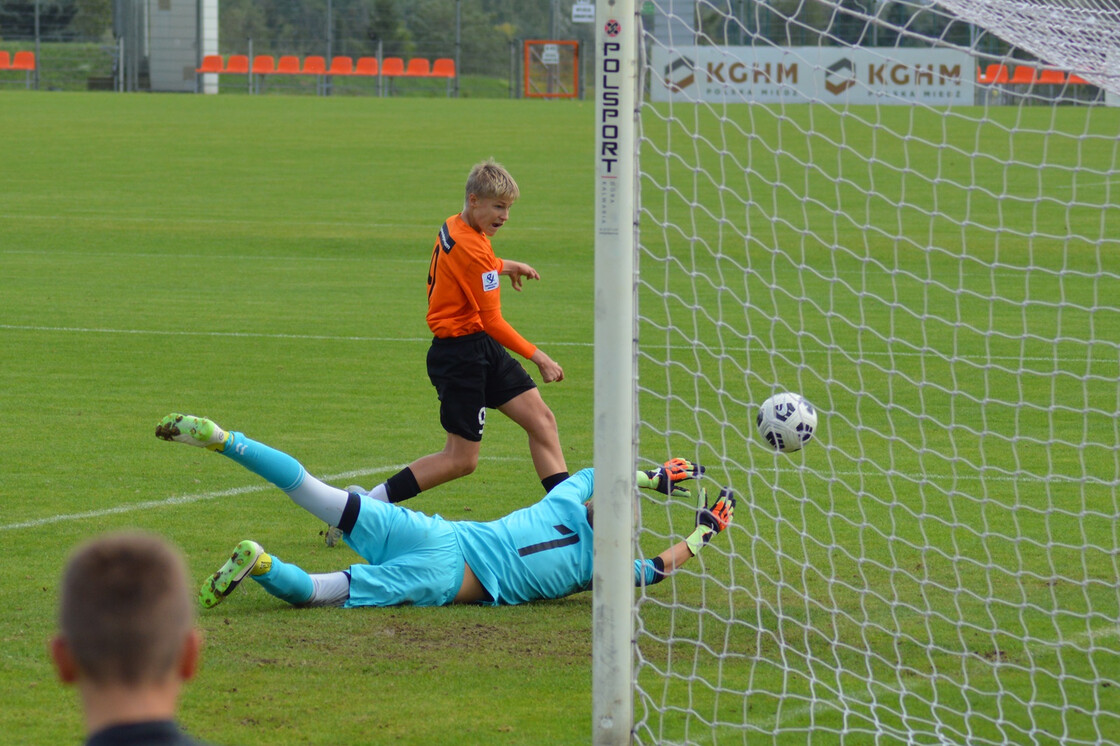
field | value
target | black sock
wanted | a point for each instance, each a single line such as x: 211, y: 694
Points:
x: 402, y: 486
x: 549, y: 482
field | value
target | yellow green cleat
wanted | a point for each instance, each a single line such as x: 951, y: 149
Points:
x: 248, y: 557
x: 195, y: 431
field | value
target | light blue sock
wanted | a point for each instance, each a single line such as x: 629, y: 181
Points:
x: 287, y: 582
x: 321, y: 500
x: 275, y: 466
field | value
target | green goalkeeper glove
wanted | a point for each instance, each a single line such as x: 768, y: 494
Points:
x: 674, y: 471
x: 711, y: 521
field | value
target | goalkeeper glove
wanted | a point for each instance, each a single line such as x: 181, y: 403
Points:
x: 667, y: 477
x: 711, y: 521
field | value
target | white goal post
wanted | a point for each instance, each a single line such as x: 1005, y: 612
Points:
x: 909, y: 213
x: 616, y: 96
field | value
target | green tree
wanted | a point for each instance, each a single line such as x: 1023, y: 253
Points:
x: 93, y: 19
x: 239, y: 21
x: 387, y: 25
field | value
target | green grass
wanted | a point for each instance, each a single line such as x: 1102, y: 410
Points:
x: 262, y: 261
x: 950, y: 534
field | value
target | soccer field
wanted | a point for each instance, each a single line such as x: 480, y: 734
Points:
x: 261, y: 260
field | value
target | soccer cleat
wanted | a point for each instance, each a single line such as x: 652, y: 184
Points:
x: 246, y: 556
x: 332, y: 536
x: 195, y: 431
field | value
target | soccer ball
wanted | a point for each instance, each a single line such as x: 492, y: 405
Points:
x: 787, y: 422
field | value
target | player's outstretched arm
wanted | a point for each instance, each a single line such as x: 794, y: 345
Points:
x: 517, y: 272
x: 709, y: 522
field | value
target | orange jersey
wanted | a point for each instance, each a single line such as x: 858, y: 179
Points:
x: 464, y: 288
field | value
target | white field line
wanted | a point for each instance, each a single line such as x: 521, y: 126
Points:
x: 203, y: 496
x: 252, y: 335
x: 186, y: 220
x: 195, y: 220
x: 415, y: 340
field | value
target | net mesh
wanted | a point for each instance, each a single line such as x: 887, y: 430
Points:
x: 934, y: 263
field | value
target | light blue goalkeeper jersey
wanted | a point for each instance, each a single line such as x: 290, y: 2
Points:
x: 542, y: 551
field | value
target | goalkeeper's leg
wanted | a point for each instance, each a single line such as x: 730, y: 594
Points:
x: 321, y: 500
x: 283, y: 580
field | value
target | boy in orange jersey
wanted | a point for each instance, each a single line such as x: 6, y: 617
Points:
x: 468, y: 363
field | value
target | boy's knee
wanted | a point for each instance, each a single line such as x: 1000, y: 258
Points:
x: 465, y: 465
x: 462, y: 464
x: 543, y: 422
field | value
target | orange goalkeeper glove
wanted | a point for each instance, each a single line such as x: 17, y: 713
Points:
x: 669, y: 476
x: 711, y: 521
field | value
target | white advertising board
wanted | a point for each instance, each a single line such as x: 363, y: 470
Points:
x: 836, y: 75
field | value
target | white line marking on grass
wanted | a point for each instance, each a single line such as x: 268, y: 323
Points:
x: 253, y: 335
x: 186, y: 220
x: 202, y: 496
x: 222, y: 257
x: 413, y: 340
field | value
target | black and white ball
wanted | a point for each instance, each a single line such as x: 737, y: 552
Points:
x: 787, y: 422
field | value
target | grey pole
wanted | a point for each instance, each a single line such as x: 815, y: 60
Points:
x: 458, y: 44
x: 38, y: 55
x: 327, y: 81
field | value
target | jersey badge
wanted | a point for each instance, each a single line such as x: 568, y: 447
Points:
x: 490, y: 281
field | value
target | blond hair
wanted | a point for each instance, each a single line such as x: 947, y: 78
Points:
x: 124, y: 608
x: 490, y: 180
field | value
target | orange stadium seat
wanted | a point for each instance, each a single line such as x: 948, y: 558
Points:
x: 1024, y: 75
x: 5, y: 60
x: 1075, y: 79
x: 23, y: 61
x: 237, y: 63
x: 211, y: 63
x: 366, y: 66
x: 444, y: 67
x: 995, y: 74
x: 341, y: 66
x: 418, y: 67
x: 1051, y: 77
x: 287, y: 65
x: 264, y: 64
x: 314, y: 65
x: 392, y: 66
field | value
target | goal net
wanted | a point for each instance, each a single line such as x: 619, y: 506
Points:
x: 909, y: 213
x: 550, y: 69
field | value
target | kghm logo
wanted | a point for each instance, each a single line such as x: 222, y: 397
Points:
x: 840, y: 76
x: 680, y: 74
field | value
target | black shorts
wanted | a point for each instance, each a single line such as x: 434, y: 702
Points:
x: 471, y: 374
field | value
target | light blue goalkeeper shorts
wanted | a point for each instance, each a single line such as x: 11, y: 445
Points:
x: 413, y: 558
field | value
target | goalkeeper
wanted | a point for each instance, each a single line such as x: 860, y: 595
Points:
x: 539, y: 552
